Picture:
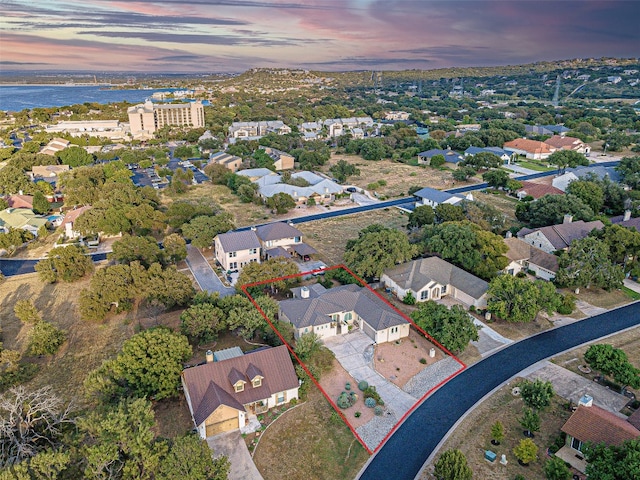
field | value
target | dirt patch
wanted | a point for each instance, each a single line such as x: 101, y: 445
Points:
x: 602, y: 298
x: 505, y: 204
x: 329, y: 237
x: 173, y: 418
x: 517, y: 331
x: 309, y: 442
x: 87, y: 344
x: 399, y: 177
x: 399, y: 361
x: 473, y: 436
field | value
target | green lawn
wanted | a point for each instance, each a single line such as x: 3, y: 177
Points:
x: 534, y: 165
x: 632, y: 294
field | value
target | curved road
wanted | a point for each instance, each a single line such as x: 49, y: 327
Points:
x: 405, y: 452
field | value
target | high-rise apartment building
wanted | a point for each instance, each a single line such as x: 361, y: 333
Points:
x: 146, y: 118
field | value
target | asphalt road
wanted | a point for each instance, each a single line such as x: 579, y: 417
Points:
x: 19, y: 266
x: 404, y: 454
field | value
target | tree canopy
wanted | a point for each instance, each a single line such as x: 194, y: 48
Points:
x: 66, y: 264
x: 613, y: 462
x: 452, y: 465
x: 149, y: 365
x: 376, y: 249
x: 551, y: 209
x: 567, y: 158
x: 453, y: 328
x: 467, y: 246
x: 271, y: 271
x: 519, y: 300
x: 203, y: 229
x: 587, y: 264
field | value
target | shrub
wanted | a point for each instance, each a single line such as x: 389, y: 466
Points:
x: 369, y: 402
x: 526, y: 451
x: 363, y: 385
x: 357, y: 414
x: 568, y: 304
x: 371, y: 392
x: 45, y: 339
x: 378, y: 410
x: 354, y: 397
x: 521, y: 274
x: 345, y: 400
x: 347, y: 386
x: 423, y: 361
x: 409, y: 299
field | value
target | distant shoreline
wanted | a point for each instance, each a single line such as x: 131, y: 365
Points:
x: 16, y: 84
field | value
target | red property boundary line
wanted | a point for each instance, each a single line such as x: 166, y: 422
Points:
x: 245, y: 288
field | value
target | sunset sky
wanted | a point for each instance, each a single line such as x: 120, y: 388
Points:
x: 234, y: 35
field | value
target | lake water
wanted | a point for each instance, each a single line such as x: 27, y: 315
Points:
x: 16, y: 98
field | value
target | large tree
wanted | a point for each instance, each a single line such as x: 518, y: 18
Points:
x: 422, y: 215
x: 482, y: 160
x: 142, y: 249
x: 272, y: 272
x: 613, y: 462
x: 551, y: 209
x: 75, y: 157
x: 66, y: 264
x: 376, y: 249
x: 149, y: 365
x: 567, y: 158
x: 468, y: 246
x: 453, y: 328
x: 610, y: 361
x: 452, y: 465
x: 496, y: 178
x: 519, y: 300
x: 191, y: 458
x: 587, y: 264
x: 121, y: 442
x: 281, y: 202
x: 589, y: 192
x: 203, y: 229
x: 202, y: 322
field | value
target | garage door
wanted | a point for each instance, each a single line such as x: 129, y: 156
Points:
x: 224, y: 426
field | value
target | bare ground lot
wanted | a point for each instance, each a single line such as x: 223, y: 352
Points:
x: 329, y: 237
x: 399, y: 176
x: 399, y: 362
x: 309, y: 442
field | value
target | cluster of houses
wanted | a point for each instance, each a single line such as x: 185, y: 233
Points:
x: 531, y: 149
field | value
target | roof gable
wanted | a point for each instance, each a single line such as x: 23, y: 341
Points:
x: 594, y: 424
x: 209, y: 385
x: 236, y: 241
x: 277, y: 231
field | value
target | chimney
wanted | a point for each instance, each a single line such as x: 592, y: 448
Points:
x: 209, y: 356
x: 509, y: 234
x: 586, y: 400
x: 627, y: 215
x: 568, y: 218
x: 304, y: 292
x: 19, y: 192
x: 253, y: 229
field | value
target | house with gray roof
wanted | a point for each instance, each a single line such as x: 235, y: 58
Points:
x: 558, y: 237
x: 234, y: 250
x: 432, y: 278
x: 224, y: 395
x: 338, y: 310
x: 281, y: 239
x: 503, y: 154
x: 432, y: 197
x: 255, y: 173
x: 524, y: 256
x: 450, y: 156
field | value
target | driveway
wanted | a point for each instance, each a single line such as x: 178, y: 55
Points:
x: 571, y: 386
x: 354, y: 351
x: 204, y: 274
x: 232, y: 445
